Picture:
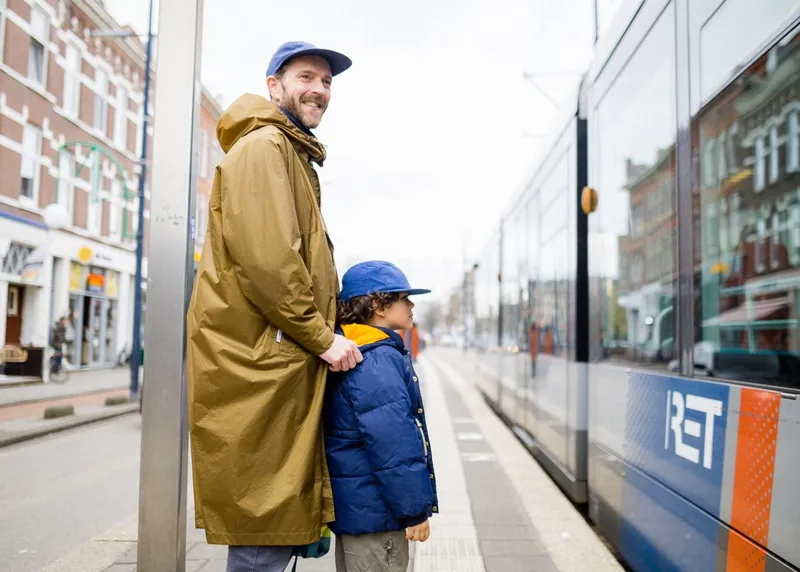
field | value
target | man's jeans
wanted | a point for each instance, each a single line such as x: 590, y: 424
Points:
x: 258, y: 558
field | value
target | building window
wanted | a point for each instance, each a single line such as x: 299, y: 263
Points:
x: 115, y: 210
x: 37, y: 52
x: 793, y: 143
x: 794, y: 226
x: 100, y: 100
x: 733, y: 166
x: 723, y: 227
x: 760, y: 168
x: 736, y: 222
x: 773, y: 154
x: 66, y: 167
x: 72, y: 80
x: 709, y: 152
x: 121, y: 119
x: 31, y: 161
x: 94, y: 219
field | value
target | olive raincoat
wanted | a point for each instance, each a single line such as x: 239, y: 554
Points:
x: 262, y: 310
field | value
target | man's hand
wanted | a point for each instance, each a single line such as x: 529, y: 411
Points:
x: 419, y: 533
x: 343, y: 355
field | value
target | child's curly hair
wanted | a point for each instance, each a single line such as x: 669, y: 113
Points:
x: 361, y: 309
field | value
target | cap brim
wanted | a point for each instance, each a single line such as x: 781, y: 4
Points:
x: 338, y: 62
x: 411, y: 292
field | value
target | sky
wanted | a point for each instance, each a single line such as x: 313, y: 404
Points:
x: 433, y: 130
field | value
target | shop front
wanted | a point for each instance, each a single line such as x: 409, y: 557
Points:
x: 93, y: 315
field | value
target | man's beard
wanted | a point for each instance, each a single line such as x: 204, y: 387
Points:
x: 294, y: 107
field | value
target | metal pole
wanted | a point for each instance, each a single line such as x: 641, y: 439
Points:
x: 164, y: 456
x: 136, y: 346
x: 596, y: 23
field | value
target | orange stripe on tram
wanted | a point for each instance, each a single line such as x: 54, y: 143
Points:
x: 752, y: 480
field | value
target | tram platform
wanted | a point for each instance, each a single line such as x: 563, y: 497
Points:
x: 499, y: 511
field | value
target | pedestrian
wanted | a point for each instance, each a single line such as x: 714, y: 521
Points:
x: 58, y: 339
x: 261, y: 323
x: 376, y: 435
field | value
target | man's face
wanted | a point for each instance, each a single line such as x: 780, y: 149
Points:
x: 304, y: 89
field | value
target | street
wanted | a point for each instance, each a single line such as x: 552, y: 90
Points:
x: 58, y: 492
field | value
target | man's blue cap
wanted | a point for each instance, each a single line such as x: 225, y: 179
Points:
x: 338, y: 62
x: 375, y: 276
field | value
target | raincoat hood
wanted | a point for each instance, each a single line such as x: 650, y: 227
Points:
x: 251, y: 112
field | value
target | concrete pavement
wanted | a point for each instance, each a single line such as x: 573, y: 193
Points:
x: 58, y: 492
x: 499, y: 511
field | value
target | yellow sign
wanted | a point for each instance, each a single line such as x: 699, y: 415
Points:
x: 85, y: 254
x: 111, y: 284
x: 75, y: 275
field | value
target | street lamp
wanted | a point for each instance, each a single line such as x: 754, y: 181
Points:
x: 136, y: 346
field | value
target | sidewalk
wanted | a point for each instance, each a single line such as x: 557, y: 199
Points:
x: 499, y: 511
x: 22, y: 408
x: 80, y: 382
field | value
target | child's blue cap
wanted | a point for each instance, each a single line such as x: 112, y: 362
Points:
x: 375, y: 276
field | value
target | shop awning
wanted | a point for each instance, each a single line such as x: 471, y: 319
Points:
x: 756, y: 311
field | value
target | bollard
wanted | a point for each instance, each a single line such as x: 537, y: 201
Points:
x: 56, y: 411
x: 112, y: 400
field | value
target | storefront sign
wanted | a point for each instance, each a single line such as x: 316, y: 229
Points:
x: 85, y: 254
x: 95, y: 283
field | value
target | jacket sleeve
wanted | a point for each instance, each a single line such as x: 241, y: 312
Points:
x: 261, y: 232
x: 392, y: 441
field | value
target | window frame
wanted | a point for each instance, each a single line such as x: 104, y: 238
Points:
x: 75, y: 77
x: 115, y: 209
x: 100, y: 97
x: 65, y: 190
x: 33, y: 200
x: 42, y: 41
x: 121, y: 118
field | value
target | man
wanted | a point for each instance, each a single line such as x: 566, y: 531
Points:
x: 260, y: 323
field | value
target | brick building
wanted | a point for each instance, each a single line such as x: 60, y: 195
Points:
x: 71, y: 109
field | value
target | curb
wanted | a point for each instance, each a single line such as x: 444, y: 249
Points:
x: 56, y: 397
x: 68, y: 424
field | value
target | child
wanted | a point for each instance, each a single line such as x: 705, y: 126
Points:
x: 376, y: 438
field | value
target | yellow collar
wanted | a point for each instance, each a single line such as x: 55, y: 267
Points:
x: 363, y: 334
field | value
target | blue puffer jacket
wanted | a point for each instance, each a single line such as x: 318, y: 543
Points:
x: 376, y: 439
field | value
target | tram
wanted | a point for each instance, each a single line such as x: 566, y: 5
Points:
x: 636, y: 314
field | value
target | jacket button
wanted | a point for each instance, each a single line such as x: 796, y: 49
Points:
x: 419, y: 410
x: 415, y: 379
x: 431, y: 476
x: 436, y: 509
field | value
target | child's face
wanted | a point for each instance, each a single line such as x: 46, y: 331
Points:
x: 399, y: 316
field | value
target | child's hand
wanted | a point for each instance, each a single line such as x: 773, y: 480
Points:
x: 419, y: 533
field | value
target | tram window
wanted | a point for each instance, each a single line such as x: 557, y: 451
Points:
x: 635, y: 222
x: 734, y: 32
x: 747, y: 319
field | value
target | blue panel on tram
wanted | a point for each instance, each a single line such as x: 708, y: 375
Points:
x: 675, y: 432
